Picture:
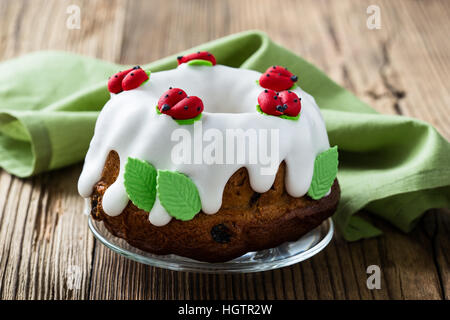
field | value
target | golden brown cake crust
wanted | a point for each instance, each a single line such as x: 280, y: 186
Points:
x: 247, y: 220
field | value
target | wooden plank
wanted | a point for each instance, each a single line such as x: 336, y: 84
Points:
x: 436, y: 227
x: 44, y: 240
x: 385, y: 90
x: 394, y: 89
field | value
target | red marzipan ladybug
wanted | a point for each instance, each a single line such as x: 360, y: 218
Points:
x: 282, y: 70
x: 177, y: 104
x: 277, y: 78
x: 277, y: 104
x: 202, y: 55
x: 291, y: 103
x: 115, y: 82
x: 170, y: 98
x: 268, y: 101
x: 188, y: 108
x: 134, y: 78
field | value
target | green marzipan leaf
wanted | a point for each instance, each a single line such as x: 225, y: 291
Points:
x: 178, y: 195
x: 183, y: 121
x: 140, y: 183
x: 200, y: 62
x: 188, y: 121
x: 325, y: 171
x: 148, y: 72
x: 294, y: 86
x: 289, y: 117
x: 258, y: 108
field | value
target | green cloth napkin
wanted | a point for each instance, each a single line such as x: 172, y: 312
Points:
x: 395, y: 167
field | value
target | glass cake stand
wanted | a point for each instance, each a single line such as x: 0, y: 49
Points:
x: 284, y: 255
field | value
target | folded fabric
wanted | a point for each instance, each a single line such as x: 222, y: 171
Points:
x: 395, y: 167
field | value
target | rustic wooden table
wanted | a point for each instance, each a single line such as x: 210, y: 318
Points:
x: 402, y: 68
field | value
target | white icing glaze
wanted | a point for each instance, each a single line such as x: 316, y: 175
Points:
x: 87, y: 206
x: 130, y: 125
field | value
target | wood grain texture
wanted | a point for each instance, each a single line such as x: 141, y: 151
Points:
x: 402, y: 68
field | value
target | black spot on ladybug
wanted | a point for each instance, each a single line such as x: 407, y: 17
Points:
x: 278, y: 93
x: 170, y: 88
x: 179, y: 57
x: 116, y: 76
x: 165, y: 107
x: 180, y: 92
x: 275, y: 97
x: 166, y: 96
x: 274, y: 67
x: 294, y: 78
x: 295, y: 100
x: 198, y: 108
x: 267, y: 75
x: 186, y: 107
x: 132, y: 74
x: 136, y: 67
x: 220, y: 233
x: 266, y: 91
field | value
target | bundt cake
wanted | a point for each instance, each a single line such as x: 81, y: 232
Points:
x: 209, y: 162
